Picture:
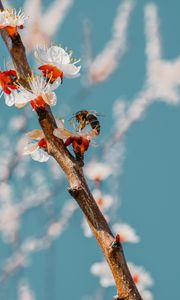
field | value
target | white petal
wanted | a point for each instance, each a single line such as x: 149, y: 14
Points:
x: 58, y: 133
x: 35, y: 134
x: 147, y: 295
x: 58, y: 55
x: 66, y: 57
x: 22, y: 98
x: 30, y: 148
x: 70, y: 70
x: 55, y: 84
x: 60, y: 123
x: 86, y: 229
x: 50, y: 98
x: 40, y: 155
x: 107, y: 281
x: 41, y: 55
x: 62, y: 133
x: 20, y: 105
x: 9, y: 99
x: 98, y: 170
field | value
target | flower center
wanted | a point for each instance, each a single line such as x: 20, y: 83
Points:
x: 42, y: 143
x: 38, y: 103
x: 8, y: 80
x: 100, y: 201
x: 51, y: 72
x: 12, y: 30
x: 80, y: 144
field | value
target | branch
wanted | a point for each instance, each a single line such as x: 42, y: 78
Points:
x: 78, y: 187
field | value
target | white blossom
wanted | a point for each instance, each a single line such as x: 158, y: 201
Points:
x: 9, y: 17
x: 39, y: 87
x: 126, y: 232
x: 34, y: 148
x: 146, y: 295
x: 140, y: 276
x: 10, y: 98
x: 24, y: 291
x: 102, y: 270
x: 9, y: 222
x: 98, y: 171
x: 58, y: 57
x: 86, y: 228
x: 104, y: 201
x: 17, y: 123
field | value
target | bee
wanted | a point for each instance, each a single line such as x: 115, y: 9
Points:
x: 85, y: 117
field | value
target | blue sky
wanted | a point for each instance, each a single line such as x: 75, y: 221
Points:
x: 148, y: 187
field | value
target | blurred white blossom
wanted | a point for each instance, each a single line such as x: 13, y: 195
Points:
x: 98, y: 171
x: 142, y: 278
x: 102, y: 271
x: 17, y: 123
x: 104, y: 201
x: 36, y: 145
x: 21, y: 257
x: 107, y: 61
x: 162, y: 80
x: 24, y: 291
x: 147, y: 295
x: 42, y: 26
x: 126, y: 232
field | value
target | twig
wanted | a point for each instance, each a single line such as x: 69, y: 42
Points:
x: 78, y: 186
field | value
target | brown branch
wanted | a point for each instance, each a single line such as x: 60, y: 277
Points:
x: 78, y: 187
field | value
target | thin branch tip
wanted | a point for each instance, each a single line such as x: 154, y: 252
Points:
x: 75, y: 191
x: 116, y: 244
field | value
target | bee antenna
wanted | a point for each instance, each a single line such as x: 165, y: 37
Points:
x: 71, y: 119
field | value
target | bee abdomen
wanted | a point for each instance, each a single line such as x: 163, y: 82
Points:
x: 94, y: 122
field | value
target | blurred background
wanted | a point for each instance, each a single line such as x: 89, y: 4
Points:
x: 130, y: 76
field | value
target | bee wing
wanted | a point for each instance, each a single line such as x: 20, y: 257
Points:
x: 60, y: 123
x: 95, y: 113
x: 72, y: 120
x: 90, y: 135
x: 62, y: 133
x: 94, y: 144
